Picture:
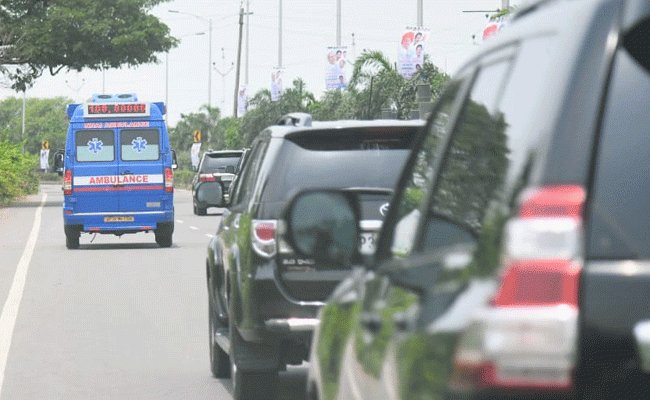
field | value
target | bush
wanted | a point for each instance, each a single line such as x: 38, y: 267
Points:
x: 18, y: 176
x: 183, y: 178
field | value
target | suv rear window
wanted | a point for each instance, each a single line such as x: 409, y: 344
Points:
x: 619, y: 215
x: 219, y: 163
x: 376, y: 138
x: 339, y: 160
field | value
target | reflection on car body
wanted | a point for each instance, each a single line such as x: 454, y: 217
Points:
x: 512, y: 262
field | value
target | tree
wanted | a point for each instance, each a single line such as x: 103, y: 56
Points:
x: 376, y: 85
x: 205, y: 121
x: 263, y: 112
x: 45, y: 119
x: 40, y: 35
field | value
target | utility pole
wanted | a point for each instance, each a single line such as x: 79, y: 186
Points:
x: 338, y: 23
x: 420, y: 13
x: 241, y: 26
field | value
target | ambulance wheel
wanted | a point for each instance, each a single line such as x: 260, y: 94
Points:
x: 72, y: 238
x: 164, y: 235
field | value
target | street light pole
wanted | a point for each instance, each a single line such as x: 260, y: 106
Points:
x: 248, y: 13
x: 280, y: 36
x: 22, y: 136
x: 420, y: 14
x: 210, y: 64
x: 209, y: 22
x: 338, y: 23
x: 167, y: 73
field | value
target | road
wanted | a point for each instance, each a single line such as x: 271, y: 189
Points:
x: 119, y: 318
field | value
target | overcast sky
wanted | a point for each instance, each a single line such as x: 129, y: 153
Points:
x: 309, y: 27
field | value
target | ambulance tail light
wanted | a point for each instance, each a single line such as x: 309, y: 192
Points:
x: 67, y: 183
x: 526, y: 338
x: 169, y: 180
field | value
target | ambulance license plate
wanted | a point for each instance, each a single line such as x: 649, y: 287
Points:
x: 119, y: 219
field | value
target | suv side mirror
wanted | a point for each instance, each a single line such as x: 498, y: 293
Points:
x: 58, y: 162
x: 174, y: 161
x: 324, y: 225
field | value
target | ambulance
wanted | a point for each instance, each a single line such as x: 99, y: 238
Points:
x: 118, y: 170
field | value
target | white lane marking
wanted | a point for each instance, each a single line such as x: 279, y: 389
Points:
x: 209, y: 235
x: 180, y: 221
x: 11, y: 306
x: 194, y: 228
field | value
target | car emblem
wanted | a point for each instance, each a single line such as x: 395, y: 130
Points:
x: 383, y: 210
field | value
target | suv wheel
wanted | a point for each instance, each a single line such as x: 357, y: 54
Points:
x: 201, y: 210
x: 219, y: 361
x: 249, y: 384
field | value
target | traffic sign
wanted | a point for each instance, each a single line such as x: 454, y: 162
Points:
x: 45, y: 145
x: 197, y: 136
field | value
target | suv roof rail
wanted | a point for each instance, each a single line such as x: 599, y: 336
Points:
x: 295, y: 119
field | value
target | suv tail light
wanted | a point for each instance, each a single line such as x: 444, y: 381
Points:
x: 526, y: 338
x: 263, y: 236
x: 67, y: 182
x: 207, y: 178
x: 169, y: 180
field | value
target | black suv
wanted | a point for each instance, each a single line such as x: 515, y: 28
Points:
x: 212, y: 180
x: 263, y: 299
x: 514, y: 260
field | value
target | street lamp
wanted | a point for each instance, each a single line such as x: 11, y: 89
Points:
x: 167, y: 72
x: 209, y: 21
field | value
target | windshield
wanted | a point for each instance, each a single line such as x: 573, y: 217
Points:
x: 219, y: 164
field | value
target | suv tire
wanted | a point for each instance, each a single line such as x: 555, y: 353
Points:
x: 219, y: 360
x: 249, y: 384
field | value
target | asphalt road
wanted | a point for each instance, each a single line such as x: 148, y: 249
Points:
x: 119, y: 318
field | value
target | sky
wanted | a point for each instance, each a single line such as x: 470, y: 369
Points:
x: 308, y: 28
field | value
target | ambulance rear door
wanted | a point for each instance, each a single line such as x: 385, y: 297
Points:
x: 141, y: 170
x: 95, y: 171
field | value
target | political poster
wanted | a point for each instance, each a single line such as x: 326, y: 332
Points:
x: 410, y: 53
x: 242, y: 101
x: 336, y: 71
x: 195, y: 153
x: 44, y: 158
x: 276, y: 83
x: 493, y: 26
